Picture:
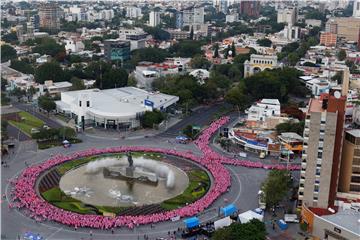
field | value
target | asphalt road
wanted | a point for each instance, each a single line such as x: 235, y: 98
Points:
x: 15, y: 133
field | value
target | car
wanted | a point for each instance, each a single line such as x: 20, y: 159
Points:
x: 34, y: 130
x: 46, y: 127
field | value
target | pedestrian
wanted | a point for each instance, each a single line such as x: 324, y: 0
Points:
x: 91, y: 233
x: 112, y: 231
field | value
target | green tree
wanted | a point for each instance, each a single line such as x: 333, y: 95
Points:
x: 49, y: 46
x: 46, y: 103
x: 276, y: 187
x: 7, y: 53
x: 341, y: 55
x: 50, y: 71
x: 296, y: 127
x: 216, y: 50
x: 338, y: 77
x: 233, y: 49
x: 22, y: 66
x: 10, y: 37
x: 264, y: 42
x: 155, y: 55
x: 253, y: 230
x: 200, y: 61
x: 151, y: 118
x: 157, y: 32
x: 77, y: 84
x: 18, y: 92
x: 237, y: 97
x: 113, y: 78
x: 186, y: 48
x: 293, y: 58
x: 67, y: 133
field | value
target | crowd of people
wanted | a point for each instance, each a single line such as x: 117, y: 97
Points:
x: 25, y: 196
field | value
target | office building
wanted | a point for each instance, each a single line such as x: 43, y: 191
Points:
x: 328, y: 39
x: 323, y: 137
x: 116, y: 49
x: 136, y: 36
x: 154, y: 18
x: 49, y: 14
x: 349, y: 178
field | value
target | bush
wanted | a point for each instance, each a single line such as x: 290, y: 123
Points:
x: 149, y: 119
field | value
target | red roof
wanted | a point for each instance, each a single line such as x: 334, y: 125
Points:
x: 323, y: 211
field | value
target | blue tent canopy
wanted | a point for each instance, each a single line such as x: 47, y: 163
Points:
x: 191, y: 222
x: 229, y: 209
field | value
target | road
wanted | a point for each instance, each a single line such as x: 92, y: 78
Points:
x: 15, y: 133
x: 200, y: 117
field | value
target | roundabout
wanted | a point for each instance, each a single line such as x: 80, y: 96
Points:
x: 230, y: 184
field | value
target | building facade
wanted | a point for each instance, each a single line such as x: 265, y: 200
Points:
x: 190, y: 17
x: 250, y: 8
x: 349, y: 178
x: 133, y: 12
x: 49, y: 14
x: 154, y: 18
x: 356, y: 9
x: 115, y: 49
x: 259, y: 63
x: 328, y: 39
x: 287, y: 15
x: 323, y: 135
x: 346, y: 28
x: 264, y: 109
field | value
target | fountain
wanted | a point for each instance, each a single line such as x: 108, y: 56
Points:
x: 131, y: 173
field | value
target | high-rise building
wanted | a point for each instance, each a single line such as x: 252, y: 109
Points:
x: 115, y: 49
x: 349, y: 178
x: 133, y: 12
x: 49, y: 14
x: 250, y: 8
x: 221, y: 5
x: 356, y: 9
x: 323, y: 137
x: 154, y: 18
x: 345, y: 27
x: 190, y: 17
x: 288, y: 15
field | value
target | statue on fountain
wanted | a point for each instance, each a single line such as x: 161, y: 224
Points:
x: 131, y: 173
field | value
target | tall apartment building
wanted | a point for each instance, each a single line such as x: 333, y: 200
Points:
x: 356, y: 9
x: 190, y: 17
x: 345, y: 27
x: 287, y: 15
x: 323, y: 135
x: 328, y: 39
x: 221, y: 5
x: 349, y: 178
x: 133, y: 12
x: 250, y: 8
x: 154, y: 19
x: 49, y: 14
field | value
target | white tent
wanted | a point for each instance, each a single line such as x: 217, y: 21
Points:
x: 222, y: 223
x: 249, y: 215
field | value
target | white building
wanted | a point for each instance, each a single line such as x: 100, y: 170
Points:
x: 356, y: 9
x: 154, y: 18
x: 118, y: 108
x: 136, y: 36
x: 287, y: 15
x: 264, y: 109
x: 201, y: 75
x: 74, y: 46
x: 221, y: 5
x: 43, y: 59
x: 55, y: 88
x: 133, y: 12
x: 232, y: 17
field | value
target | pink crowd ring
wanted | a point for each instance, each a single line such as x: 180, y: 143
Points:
x: 24, y: 195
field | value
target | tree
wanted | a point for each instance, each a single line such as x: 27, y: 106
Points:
x: 186, y: 48
x: 296, y: 127
x: 10, y: 38
x: 113, y: 78
x: 341, y: 55
x: 155, y: 55
x: 50, y: 71
x: 7, y: 53
x: 216, y: 50
x: 18, y: 92
x: 150, y: 118
x: 157, y: 33
x: 199, y: 61
x: 191, y: 36
x: 253, y: 230
x: 264, y: 42
x: 49, y: 46
x: 293, y: 58
x: 22, y: 66
x: 338, y: 77
x: 46, y: 103
x: 237, y: 97
x: 233, y: 49
x: 77, y: 84
x: 67, y: 133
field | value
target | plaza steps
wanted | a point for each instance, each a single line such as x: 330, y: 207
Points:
x: 143, y: 210
x: 50, y: 180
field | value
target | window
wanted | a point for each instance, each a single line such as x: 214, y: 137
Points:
x: 319, y: 155
x: 318, y: 172
x: 317, y: 181
x: 316, y: 198
x: 316, y: 188
x: 88, y: 103
x: 79, y: 103
x: 318, y: 165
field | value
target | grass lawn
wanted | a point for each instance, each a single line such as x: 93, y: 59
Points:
x: 29, y: 121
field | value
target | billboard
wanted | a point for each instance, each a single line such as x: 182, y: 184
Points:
x: 148, y: 103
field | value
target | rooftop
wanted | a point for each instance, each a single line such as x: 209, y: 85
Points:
x: 348, y: 219
x: 354, y: 132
